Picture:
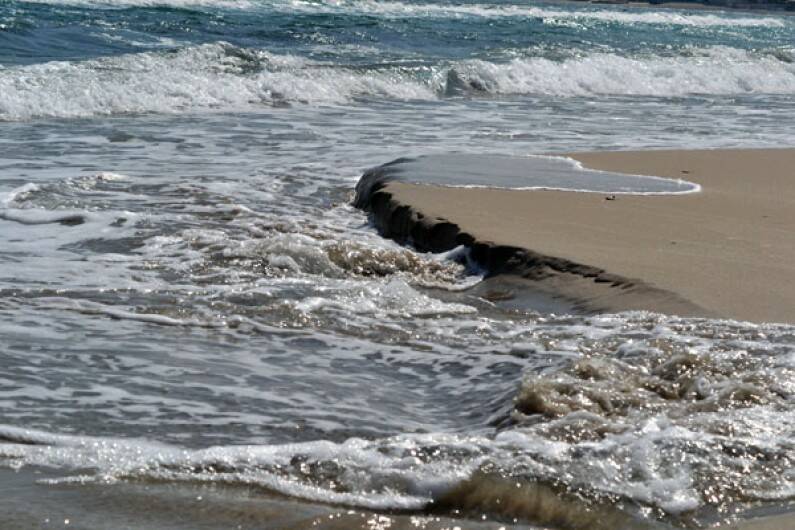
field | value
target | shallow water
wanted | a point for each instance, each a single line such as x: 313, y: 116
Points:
x: 188, y: 299
x: 535, y: 172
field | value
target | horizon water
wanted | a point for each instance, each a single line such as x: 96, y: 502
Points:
x: 189, y: 304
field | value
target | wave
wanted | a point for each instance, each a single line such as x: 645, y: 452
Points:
x: 601, y: 429
x: 213, y: 76
x: 611, y: 15
x: 710, y: 71
x: 225, y: 77
x: 452, y: 10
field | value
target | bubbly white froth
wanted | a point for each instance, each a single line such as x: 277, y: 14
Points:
x: 214, y: 76
x: 712, y: 71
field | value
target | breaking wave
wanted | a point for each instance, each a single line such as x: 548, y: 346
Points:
x: 712, y: 71
x: 214, y: 76
x: 225, y: 77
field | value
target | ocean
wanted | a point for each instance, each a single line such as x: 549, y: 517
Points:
x: 197, y: 329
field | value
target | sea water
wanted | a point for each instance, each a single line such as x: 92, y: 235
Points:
x: 187, y: 297
x: 531, y: 172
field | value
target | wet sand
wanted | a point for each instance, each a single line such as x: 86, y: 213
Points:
x: 727, y: 251
x: 27, y: 501
x: 770, y: 522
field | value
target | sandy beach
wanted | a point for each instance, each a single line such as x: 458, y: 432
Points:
x: 726, y: 251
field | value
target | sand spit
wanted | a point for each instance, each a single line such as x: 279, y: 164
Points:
x: 727, y: 251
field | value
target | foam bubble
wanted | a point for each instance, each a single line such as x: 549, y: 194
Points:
x: 379, y: 300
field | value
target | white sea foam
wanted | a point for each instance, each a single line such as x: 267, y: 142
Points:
x: 207, y: 76
x: 378, y: 479
x: 380, y: 300
x: 13, y: 208
x: 9, y: 198
x: 16, y: 205
x: 712, y: 71
x: 221, y: 76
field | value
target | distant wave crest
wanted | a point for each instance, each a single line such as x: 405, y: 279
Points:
x: 455, y: 10
x: 610, y: 15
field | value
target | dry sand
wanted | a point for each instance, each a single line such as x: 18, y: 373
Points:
x: 728, y: 251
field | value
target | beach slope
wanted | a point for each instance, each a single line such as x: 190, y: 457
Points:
x: 726, y: 251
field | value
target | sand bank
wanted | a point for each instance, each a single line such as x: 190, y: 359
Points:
x: 727, y: 251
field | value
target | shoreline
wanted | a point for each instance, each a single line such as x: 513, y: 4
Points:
x: 29, y: 500
x: 724, y: 252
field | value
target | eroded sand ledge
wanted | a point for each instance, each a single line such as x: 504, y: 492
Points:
x: 728, y: 251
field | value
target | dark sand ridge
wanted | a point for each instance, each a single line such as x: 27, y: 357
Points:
x: 728, y: 251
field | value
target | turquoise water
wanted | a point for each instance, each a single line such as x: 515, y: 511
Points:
x: 187, y: 297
